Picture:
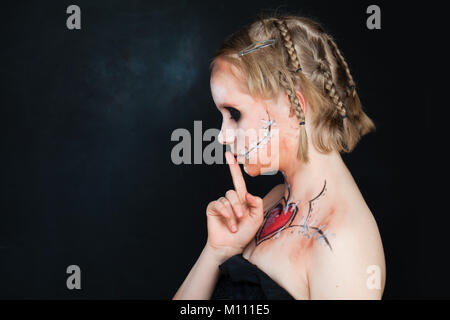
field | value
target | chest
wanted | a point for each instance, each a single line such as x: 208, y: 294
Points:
x: 284, y: 260
x: 289, y: 237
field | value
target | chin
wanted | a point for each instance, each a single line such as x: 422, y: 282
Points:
x: 253, y: 170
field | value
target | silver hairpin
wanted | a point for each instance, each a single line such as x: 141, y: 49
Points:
x: 257, y: 45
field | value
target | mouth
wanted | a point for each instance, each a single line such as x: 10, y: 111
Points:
x: 239, y: 157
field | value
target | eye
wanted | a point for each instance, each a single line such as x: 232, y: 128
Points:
x: 234, y: 113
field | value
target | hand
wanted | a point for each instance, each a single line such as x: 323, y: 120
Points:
x: 233, y: 220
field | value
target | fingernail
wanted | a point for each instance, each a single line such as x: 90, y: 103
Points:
x: 233, y: 228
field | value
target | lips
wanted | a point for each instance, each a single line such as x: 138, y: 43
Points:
x: 239, y: 157
x: 276, y: 220
x: 240, y: 154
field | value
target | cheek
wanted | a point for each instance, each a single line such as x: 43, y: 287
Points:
x: 288, y: 141
x: 249, y: 130
x: 243, y: 129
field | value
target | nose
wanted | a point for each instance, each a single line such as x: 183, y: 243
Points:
x: 226, y: 135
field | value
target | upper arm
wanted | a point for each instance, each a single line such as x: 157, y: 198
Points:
x: 355, y: 269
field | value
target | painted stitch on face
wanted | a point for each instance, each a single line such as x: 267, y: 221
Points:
x: 267, y: 125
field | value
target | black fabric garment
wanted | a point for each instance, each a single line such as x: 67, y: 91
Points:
x: 242, y: 280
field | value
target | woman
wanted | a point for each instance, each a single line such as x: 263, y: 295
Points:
x: 314, y: 236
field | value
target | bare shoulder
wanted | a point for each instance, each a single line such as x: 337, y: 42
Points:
x: 273, y: 196
x: 355, y: 267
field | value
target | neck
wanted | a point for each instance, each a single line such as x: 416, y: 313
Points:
x: 307, y: 180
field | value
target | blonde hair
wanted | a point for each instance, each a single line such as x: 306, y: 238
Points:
x: 338, y: 120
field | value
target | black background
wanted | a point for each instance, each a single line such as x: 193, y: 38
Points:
x: 86, y: 123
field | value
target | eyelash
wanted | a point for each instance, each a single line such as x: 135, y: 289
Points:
x: 234, y: 113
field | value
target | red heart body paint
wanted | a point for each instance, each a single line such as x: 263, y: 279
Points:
x: 283, y: 214
x: 276, y: 220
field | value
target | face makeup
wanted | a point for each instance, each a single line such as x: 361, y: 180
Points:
x: 267, y: 125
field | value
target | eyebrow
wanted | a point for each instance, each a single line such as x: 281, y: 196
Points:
x: 226, y: 104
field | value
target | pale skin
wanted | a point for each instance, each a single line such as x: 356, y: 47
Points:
x: 304, y: 267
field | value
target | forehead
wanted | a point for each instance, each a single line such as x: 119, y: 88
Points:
x: 226, y: 82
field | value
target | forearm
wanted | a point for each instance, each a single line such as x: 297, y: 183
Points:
x: 201, y: 280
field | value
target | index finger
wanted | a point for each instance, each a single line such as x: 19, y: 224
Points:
x: 236, y: 175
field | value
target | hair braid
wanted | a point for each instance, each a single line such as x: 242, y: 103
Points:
x: 293, y: 99
x: 330, y: 88
x: 351, y: 87
x: 351, y: 133
x: 302, y: 152
x: 352, y: 130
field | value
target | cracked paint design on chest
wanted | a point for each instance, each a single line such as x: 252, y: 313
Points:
x: 281, y: 216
